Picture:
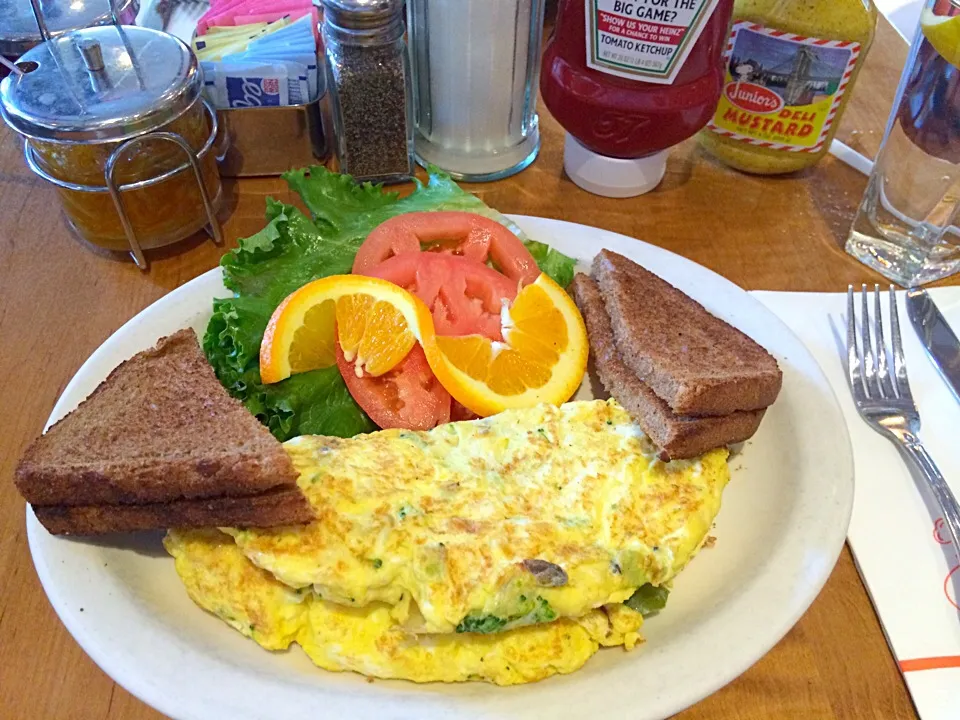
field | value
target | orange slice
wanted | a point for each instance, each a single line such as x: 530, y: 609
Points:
x: 542, y: 359
x: 375, y: 321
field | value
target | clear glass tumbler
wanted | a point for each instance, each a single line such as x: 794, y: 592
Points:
x: 476, y: 69
x: 907, y: 225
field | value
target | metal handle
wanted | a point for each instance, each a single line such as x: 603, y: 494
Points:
x: 34, y: 165
x: 98, y: 79
x: 917, y: 454
x: 41, y: 20
x: 45, y: 33
x: 135, y: 250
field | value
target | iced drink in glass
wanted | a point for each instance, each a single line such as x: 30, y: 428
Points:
x: 907, y: 225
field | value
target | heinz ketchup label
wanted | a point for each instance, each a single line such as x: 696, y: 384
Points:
x: 645, y: 40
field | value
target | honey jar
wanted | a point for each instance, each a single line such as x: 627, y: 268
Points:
x: 114, y: 118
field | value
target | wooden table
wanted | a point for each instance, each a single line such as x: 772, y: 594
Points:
x: 59, y: 300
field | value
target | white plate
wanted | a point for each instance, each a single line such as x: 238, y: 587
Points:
x: 781, y: 529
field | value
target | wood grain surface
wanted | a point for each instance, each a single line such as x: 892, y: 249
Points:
x: 60, y: 299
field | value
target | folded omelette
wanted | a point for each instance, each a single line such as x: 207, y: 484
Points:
x: 367, y: 640
x: 499, y: 549
x: 492, y: 524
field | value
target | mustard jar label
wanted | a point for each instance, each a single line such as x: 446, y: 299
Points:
x: 782, y: 91
x: 645, y: 40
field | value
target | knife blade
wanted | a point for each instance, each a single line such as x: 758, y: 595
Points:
x: 936, y: 336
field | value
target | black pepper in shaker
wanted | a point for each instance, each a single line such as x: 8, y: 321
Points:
x: 368, y: 78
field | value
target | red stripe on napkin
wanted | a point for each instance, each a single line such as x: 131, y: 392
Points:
x: 930, y: 663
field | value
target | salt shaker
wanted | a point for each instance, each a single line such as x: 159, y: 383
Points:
x: 476, y: 68
x: 368, y: 79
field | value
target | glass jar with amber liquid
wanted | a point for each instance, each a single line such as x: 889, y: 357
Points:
x: 114, y: 118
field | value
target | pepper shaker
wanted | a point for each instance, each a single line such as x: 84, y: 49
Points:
x: 368, y: 79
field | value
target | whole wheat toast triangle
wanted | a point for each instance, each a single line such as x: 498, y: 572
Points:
x: 160, y: 428
x: 279, y: 506
x: 695, y: 362
x: 677, y: 436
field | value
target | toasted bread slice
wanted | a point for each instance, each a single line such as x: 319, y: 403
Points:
x: 678, y: 437
x: 279, y: 506
x: 698, y: 364
x: 160, y: 428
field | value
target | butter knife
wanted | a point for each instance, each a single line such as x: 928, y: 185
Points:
x: 936, y: 336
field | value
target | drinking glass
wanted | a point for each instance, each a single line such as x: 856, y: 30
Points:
x: 907, y: 225
x: 476, y: 69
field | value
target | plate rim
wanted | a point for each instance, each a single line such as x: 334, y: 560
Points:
x: 155, y: 697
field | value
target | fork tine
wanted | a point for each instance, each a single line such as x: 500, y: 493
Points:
x: 883, y: 372
x: 869, y: 358
x: 901, y: 386
x: 854, y: 368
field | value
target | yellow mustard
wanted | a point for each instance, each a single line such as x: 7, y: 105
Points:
x: 790, y: 69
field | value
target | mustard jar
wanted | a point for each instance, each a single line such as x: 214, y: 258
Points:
x: 113, y: 117
x: 791, y: 67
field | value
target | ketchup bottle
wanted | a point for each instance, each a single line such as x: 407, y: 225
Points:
x: 628, y: 80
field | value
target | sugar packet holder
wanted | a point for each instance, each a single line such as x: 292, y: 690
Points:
x: 269, y: 123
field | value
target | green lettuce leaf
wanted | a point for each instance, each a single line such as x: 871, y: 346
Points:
x: 552, y: 262
x: 294, y: 249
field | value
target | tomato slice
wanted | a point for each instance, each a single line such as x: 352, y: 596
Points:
x: 460, y: 412
x: 449, y: 232
x: 465, y: 296
x: 409, y: 396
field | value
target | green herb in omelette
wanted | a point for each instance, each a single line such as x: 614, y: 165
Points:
x: 481, y: 624
x: 648, y: 599
x: 532, y: 612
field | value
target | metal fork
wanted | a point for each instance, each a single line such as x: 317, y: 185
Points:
x: 884, y: 400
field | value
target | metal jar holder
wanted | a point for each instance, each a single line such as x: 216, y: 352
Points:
x: 93, y: 59
x: 110, y: 186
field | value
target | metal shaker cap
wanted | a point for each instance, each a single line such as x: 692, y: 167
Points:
x: 100, y: 84
x: 361, y: 14
x: 18, y: 24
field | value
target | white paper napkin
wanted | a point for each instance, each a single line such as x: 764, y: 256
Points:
x: 911, y: 571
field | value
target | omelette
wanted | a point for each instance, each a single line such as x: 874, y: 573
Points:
x: 532, y: 517
x: 220, y: 579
